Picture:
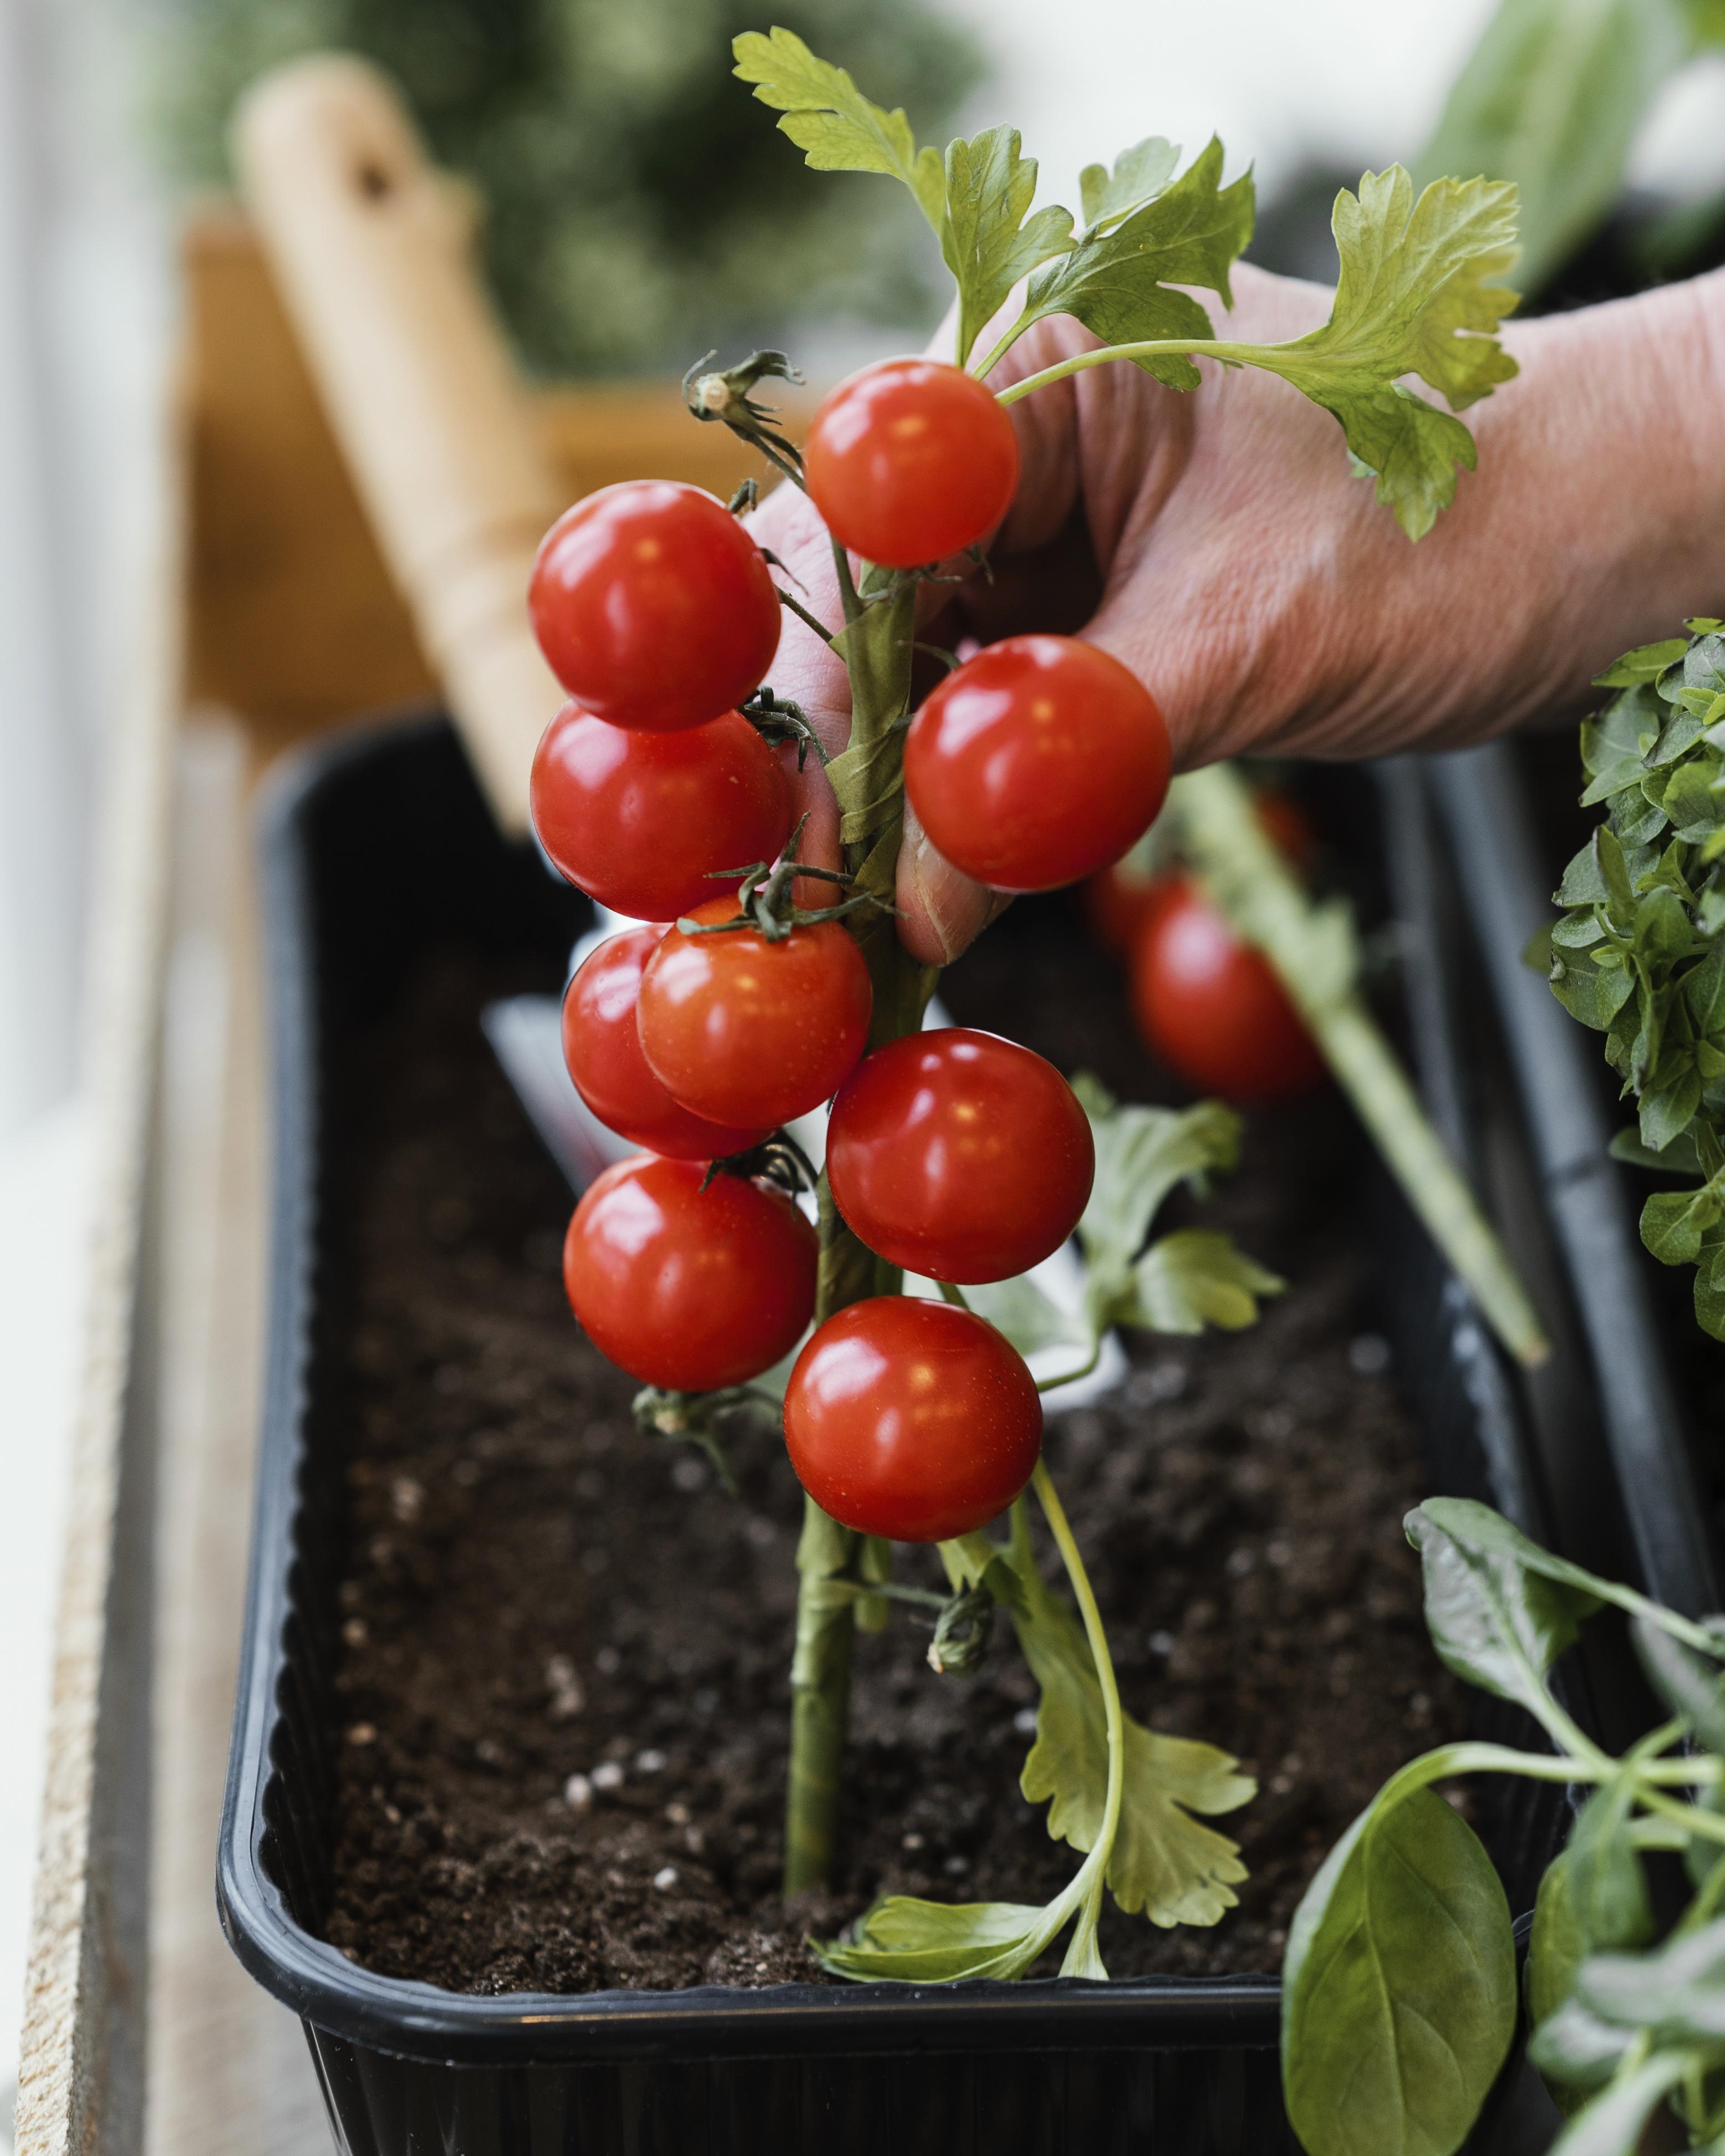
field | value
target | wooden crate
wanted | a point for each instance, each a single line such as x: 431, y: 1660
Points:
x: 273, y: 619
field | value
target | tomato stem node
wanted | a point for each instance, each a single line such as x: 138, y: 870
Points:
x: 724, y: 394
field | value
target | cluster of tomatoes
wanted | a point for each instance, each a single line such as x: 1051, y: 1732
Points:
x: 733, y: 1009
x: 1208, y: 1005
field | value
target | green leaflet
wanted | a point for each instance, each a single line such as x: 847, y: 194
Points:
x: 1418, y: 293
x: 905, y: 1941
x: 1139, y: 174
x: 1194, y: 1278
x: 1551, y: 99
x: 1611, y: 2124
x: 1400, y: 1985
x: 986, y: 242
x: 830, y: 120
x: 1119, y: 282
x: 1164, y: 1862
x: 1141, y: 1154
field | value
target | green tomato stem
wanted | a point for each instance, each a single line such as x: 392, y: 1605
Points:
x: 1237, y: 355
x: 1083, y: 1957
x: 1313, y: 952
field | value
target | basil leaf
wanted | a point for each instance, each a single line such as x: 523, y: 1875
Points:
x: 1398, y: 1986
x: 1607, y: 1888
x: 1611, y: 2124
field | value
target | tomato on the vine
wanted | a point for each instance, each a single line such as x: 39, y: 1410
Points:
x: 744, y: 1031
x: 959, y: 1156
x: 687, y: 1288
x: 1036, y: 762
x: 602, y: 1046
x: 653, y: 606
x: 912, y: 1420
x: 911, y: 460
x: 637, y: 820
x: 1211, y: 1007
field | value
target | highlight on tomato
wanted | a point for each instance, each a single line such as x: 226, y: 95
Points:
x: 1037, y: 762
x: 959, y: 1156
x: 1212, y: 1009
x: 743, y: 1030
x: 909, y: 460
x: 638, y: 821
x: 653, y: 605
x: 915, y: 1421
x: 601, y: 1047
x: 688, y: 1288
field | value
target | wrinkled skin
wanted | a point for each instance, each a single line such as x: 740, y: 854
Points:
x: 1217, y: 543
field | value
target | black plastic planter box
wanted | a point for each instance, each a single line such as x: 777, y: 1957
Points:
x: 372, y: 849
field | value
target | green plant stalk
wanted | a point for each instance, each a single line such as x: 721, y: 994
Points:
x: 875, y: 646
x: 1313, y: 949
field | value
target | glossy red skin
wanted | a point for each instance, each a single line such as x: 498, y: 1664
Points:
x: 911, y: 460
x: 1212, y: 1009
x: 687, y: 1288
x: 601, y: 1047
x: 959, y: 1156
x: 1119, y: 900
x: 653, y: 606
x: 636, y: 820
x: 912, y: 1420
x: 1037, y: 763
x: 741, y: 1030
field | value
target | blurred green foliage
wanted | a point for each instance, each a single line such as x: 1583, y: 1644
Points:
x: 642, y: 208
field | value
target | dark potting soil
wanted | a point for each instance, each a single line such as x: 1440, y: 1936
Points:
x: 534, y: 1592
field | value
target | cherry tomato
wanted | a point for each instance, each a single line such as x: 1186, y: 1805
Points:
x: 653, y: 606
x: 636, y: 820
x: 912, y: 1420
x: 1211, y: 1007
x: 1119, y: 899
x: 687, y: 1288
x: 744, y: 1031
x: 959, y: 1156
x: 1037, y: 761
x: 601, y: 1047
x: 909, y: 460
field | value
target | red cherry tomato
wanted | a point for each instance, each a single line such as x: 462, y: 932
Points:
x: 744, y: 1031
x: 602, y: 1046
x: 687, y: 1288
x: 959, y: 1156
x: 1211, y: 1007
x: 913, y: 1420
x: 911, y: 460
x: 1119, y: 899
x: 1036, y: 762
x: 653, y: 606
x: 636, y: 819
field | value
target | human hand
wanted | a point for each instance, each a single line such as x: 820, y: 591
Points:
x: 1217, y: 543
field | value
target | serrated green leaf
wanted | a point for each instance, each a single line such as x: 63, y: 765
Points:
x: 1028, y: 1318
x: 901, y: 1940
x: 1164, y: 1861
x: 830, y: 120
x: 1141, y: 1154
x: 1140, y: 174
x: 1193, y: 1278
x: 1121, y: 283
x: 1551, y: 99
x: 987, y: 243
x: 1415, y: 295
x: 1500, y: 1609
x: 1646, y: 664
x: 1398, y: 1986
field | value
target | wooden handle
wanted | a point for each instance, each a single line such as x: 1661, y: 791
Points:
x: 370, y: 247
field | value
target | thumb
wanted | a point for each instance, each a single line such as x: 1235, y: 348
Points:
x: 941, y: 911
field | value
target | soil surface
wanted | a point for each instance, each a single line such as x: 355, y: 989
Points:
x: 536, y: 1593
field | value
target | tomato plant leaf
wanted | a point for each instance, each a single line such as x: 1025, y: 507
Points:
x: 1121, y: 282
x: 905, y: 1941
x: 989, y: 239
x: 830, y: 120
x: 1141, y: 1154
x: 1496, y: 1614
x: 1550, y: 98
x: 1032, y: 1321
x: 1399, y: 1985
x: 1193, y: 1278
x: 1140, y: 174
x: 1165, y: 1861
x: 1418, y: 293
